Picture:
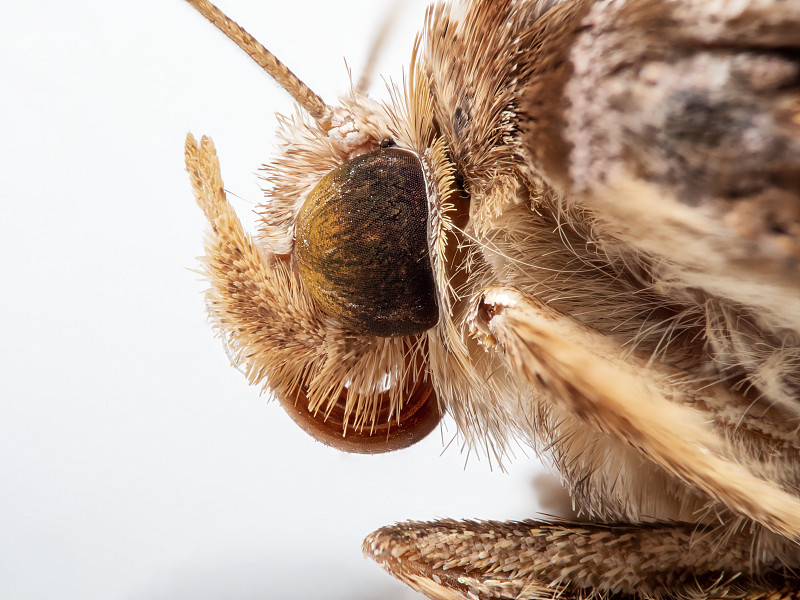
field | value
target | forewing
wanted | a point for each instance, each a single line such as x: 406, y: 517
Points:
x: 683, y: 129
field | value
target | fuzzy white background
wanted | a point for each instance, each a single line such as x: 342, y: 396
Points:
x: 134, y: 461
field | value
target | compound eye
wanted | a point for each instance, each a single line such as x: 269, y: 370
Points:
x: 361, y: 245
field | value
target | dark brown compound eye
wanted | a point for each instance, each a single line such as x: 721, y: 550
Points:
x: 361, y: 245
x: 418, y: 416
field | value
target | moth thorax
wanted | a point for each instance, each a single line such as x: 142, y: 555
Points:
x: 362, y: 249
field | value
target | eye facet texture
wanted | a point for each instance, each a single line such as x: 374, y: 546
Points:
x: 361, y: 245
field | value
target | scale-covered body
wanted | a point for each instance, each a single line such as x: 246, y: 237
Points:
x: 612, y: 247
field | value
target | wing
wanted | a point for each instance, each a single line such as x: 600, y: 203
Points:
x: 683, y: 128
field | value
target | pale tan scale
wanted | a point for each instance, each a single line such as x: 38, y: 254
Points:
x: 613, y: 192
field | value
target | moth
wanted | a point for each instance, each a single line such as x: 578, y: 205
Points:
x: 575, y: 224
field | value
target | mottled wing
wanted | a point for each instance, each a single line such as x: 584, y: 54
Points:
x: 682, y: 121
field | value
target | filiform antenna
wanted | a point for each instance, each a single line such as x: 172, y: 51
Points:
x: 303, y: 94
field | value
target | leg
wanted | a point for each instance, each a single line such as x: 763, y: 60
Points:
x: 530, y: 559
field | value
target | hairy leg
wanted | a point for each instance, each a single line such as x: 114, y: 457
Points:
x: 531, y: 559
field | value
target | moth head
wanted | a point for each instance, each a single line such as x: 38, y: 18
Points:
x: 348, y: 210
x: 334, y: 304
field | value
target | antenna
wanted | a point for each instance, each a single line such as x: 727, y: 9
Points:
x: 303, y: 94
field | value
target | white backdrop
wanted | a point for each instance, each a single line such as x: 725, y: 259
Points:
x: 134, y: 461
